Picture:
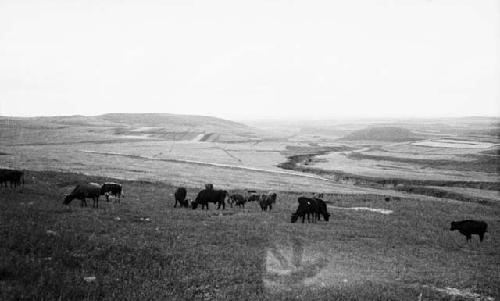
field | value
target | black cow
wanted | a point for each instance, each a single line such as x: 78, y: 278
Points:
x: 469, y: 227
x: 114, y: 189
x: 85, y: 191
x: 307, y: 207
x: 12, y: 177
x: 312, y: 208
x: 238, y: 200
x: 180, y: 196
x: 267, y: 200
x: 210, y: 196
x: 322, y: 209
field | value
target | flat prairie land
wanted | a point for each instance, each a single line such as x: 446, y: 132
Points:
x: 143, y: 248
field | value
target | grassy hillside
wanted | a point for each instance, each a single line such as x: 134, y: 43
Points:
x: 145, y: 249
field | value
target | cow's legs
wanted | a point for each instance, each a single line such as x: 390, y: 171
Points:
x: 481, y: 236
x: 468, y: 237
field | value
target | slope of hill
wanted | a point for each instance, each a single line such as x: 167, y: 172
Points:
x: 392, y: 134
x: 67, y: 129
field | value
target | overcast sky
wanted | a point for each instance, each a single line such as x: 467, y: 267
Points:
x: 251, y: 59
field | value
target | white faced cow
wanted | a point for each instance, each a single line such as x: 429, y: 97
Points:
x: 114, y: 189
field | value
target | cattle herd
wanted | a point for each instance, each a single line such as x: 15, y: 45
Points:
x: 310, y: 208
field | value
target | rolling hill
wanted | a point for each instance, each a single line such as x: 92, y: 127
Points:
x: 116, y: 126
x: 392, y: 134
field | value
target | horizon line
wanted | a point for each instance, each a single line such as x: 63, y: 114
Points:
x: 263, y: 118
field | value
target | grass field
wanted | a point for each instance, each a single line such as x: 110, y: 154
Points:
x: 145, y: 249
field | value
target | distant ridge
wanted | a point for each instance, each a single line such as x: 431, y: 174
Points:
x: 163, y: 126
x: 157, y: 119
x: 382, y: 133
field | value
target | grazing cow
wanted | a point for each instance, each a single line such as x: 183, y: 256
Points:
x: 267, y: 200
x: 469, y: 227
x: 210, y: 196
x: 85, y: 191
x: 180, y: 196
x: 322, y: 209
x: 238, y: 200
x: 114, y: 189
x: 13, y: 177
x: 315, y: 207
x: 305, y: 208
x: 312, y: 205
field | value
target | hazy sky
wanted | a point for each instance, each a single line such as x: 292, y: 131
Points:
x: 251, y: 59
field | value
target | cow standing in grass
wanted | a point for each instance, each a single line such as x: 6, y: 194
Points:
x: 313, y: 208
x: 305, y: 208
x: 210, y: 196
x: 238, y: 200
x: 180, y: 197
x: 267, y: 201
x: 12, y: 177
x: 469, y: 227
x: 114, y: 189
x: 321, y: 209
x: 83, y: 192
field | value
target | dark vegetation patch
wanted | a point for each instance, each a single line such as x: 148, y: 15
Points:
x: 492, y: 152
x: 443, y: 194
x: 306, y: 155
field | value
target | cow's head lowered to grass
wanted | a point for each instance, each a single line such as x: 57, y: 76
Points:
x: 67, y: 199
